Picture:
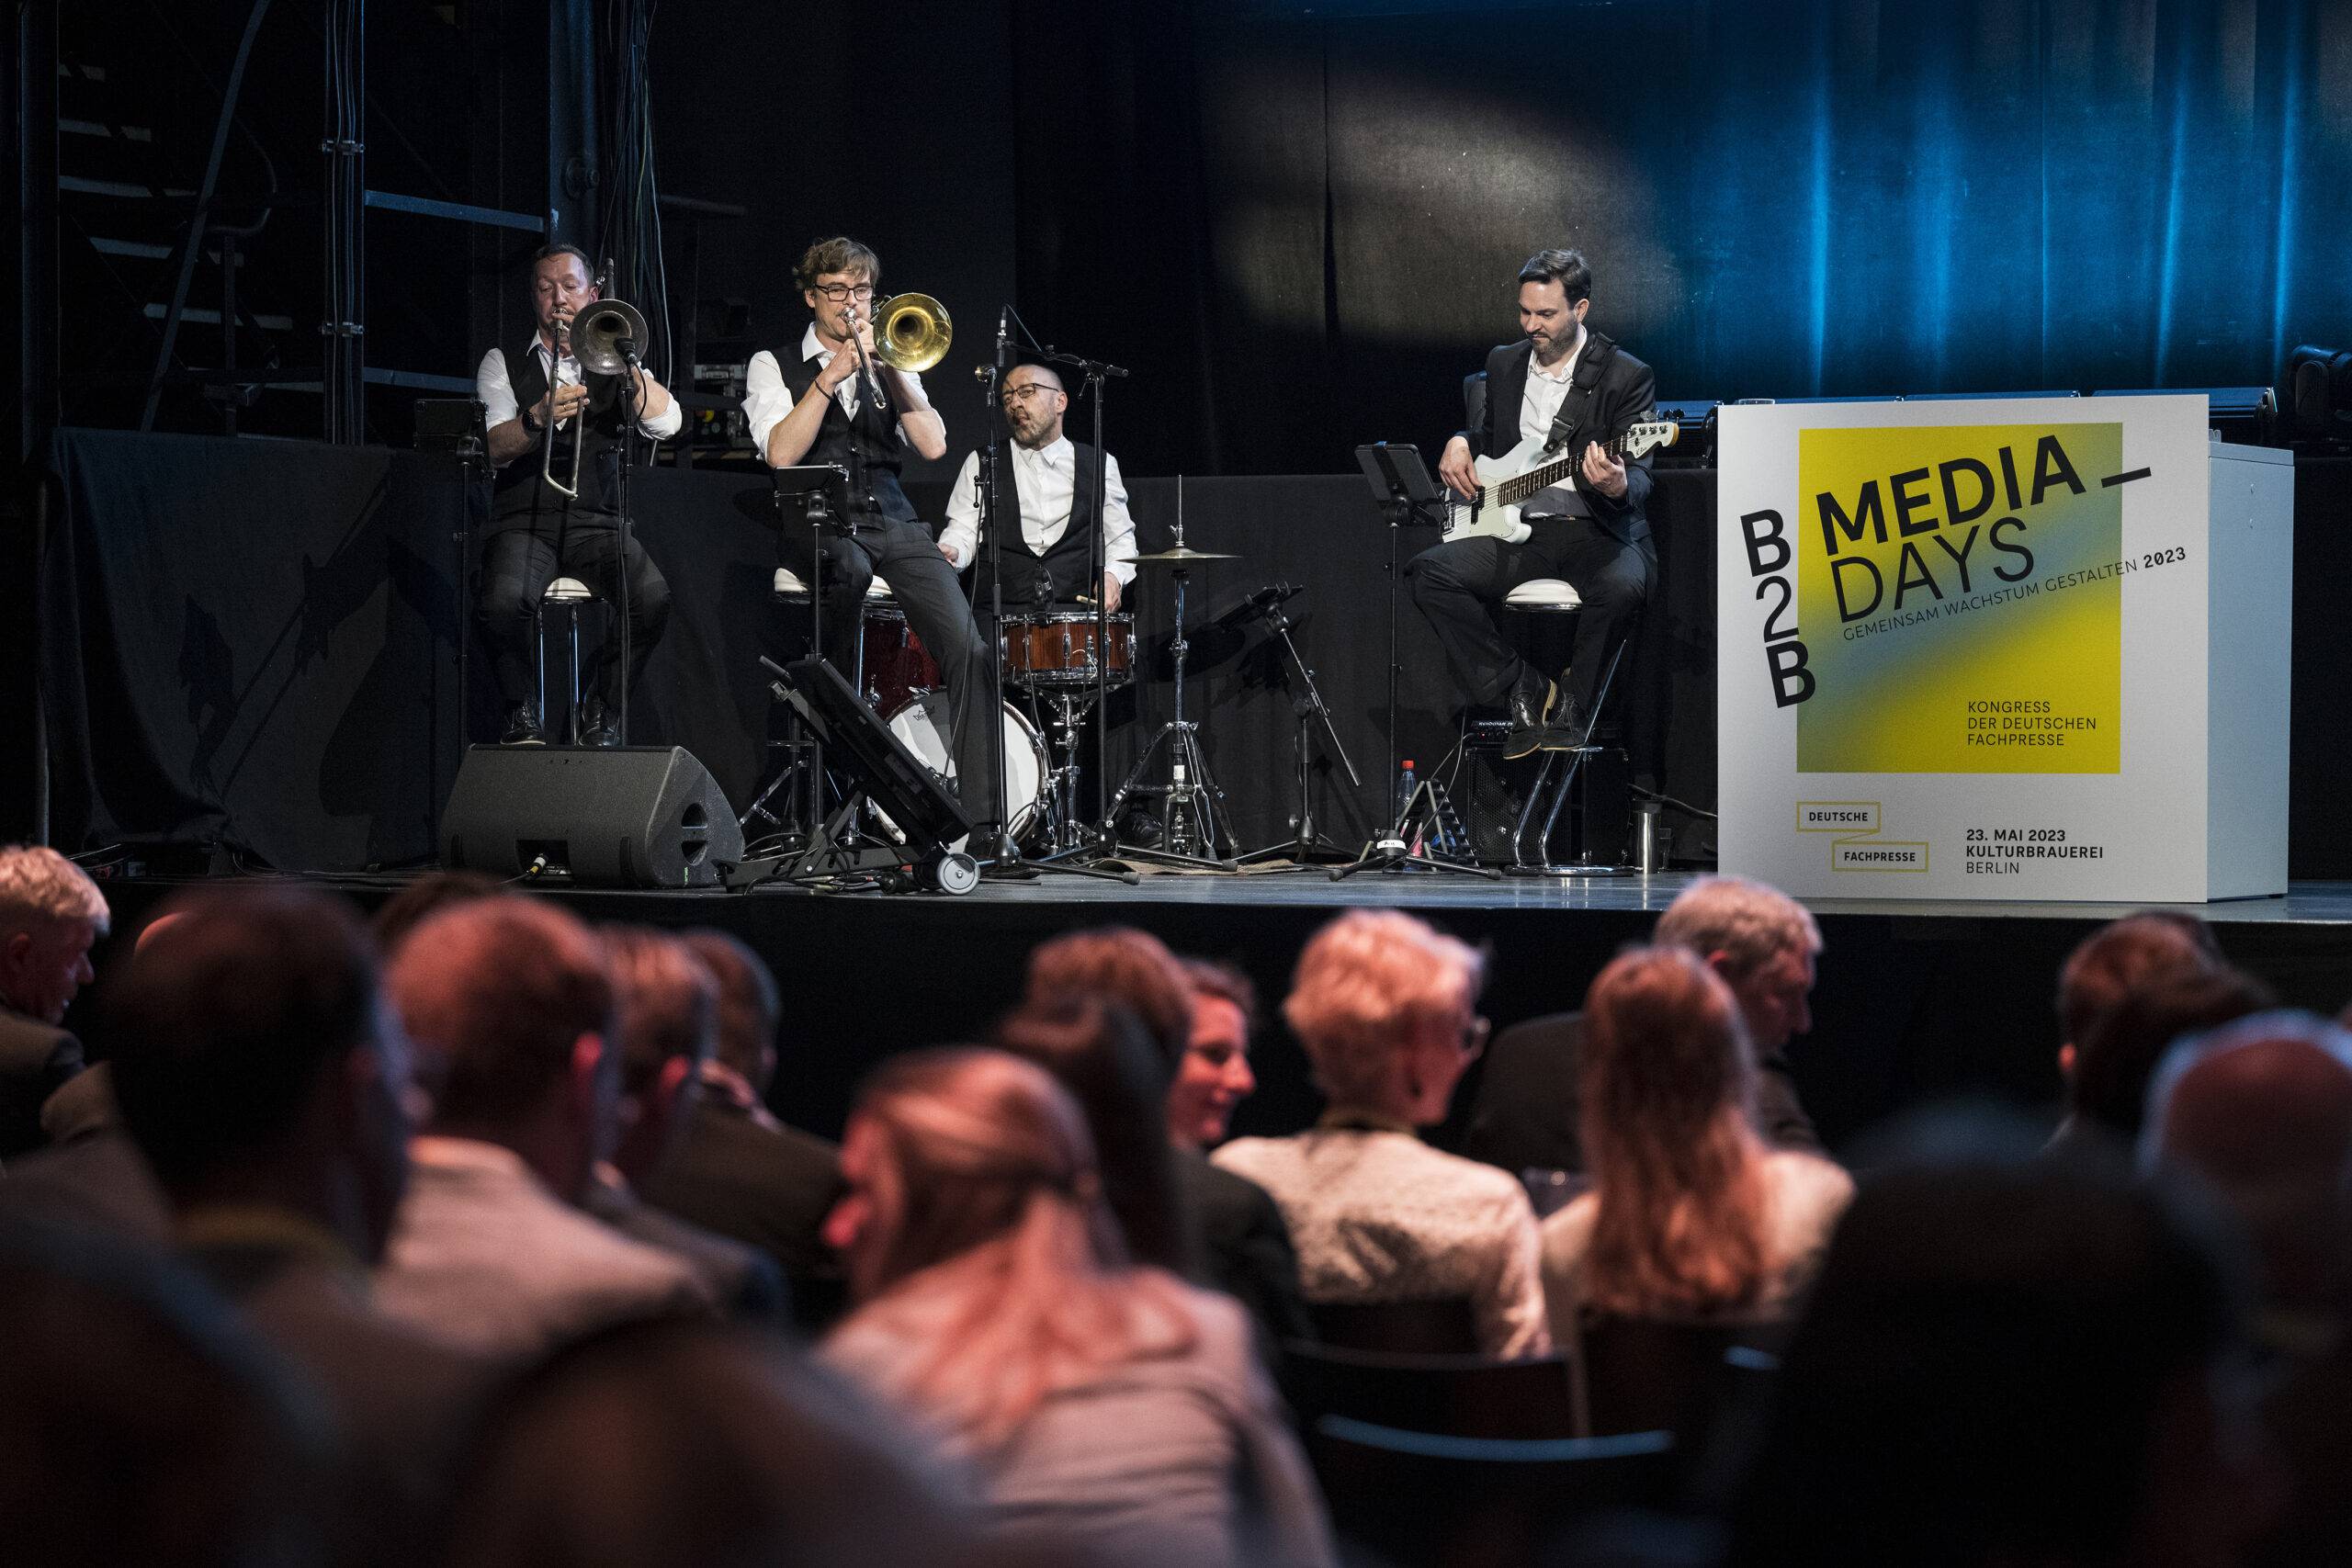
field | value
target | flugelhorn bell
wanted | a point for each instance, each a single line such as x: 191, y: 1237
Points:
x: 596, y: 334
x: 912, y: 331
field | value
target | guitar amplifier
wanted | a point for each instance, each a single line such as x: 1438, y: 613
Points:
x: 1596, y: 825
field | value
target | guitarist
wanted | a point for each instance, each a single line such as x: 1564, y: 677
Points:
x: 1574, y: 389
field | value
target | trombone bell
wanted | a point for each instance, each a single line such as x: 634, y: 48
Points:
x: 912, y: 331
x: 596, y: 334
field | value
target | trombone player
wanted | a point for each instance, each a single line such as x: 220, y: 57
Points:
x: 834, y: 399
x: 539, y: 529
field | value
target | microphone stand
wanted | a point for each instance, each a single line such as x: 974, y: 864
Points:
x: 628, y: 346
x: 1094, y: 373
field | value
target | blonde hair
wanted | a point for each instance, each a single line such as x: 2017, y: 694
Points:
x: 1749, y: 923
x: 1365, y: 983
x: 1665, y: 1078
x: 999, y: 1213
x: 41, y: 887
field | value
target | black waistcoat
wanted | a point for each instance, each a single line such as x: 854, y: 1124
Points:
x: 519, y: 497
x: 866, y: 446
x: 1060, y: 574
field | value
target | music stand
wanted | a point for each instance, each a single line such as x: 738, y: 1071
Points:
x: 814, y: 495
x: 1401, y: 483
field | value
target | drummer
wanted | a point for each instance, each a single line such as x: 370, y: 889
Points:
x: 1048, y: 481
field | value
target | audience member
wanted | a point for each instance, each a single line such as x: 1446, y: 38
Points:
x: 91, y: 1176
x: 1234, y: 1235
x: 1213, y: 1076
x: 265, y: 1083
x: 1385, y: 1008
x: 2005, y: 1363
x: 667, y: 1004
x: 699, y: 1446
x: 1690, y: 1215
x: 1098, y: 1404
x: 51, y: 914
x: 736, y: 1170
x: 140, y: 1422
x: 490, y: 1250
x: 2107, y: 1067
x: 2262, y: 1112
x: 425, y: 897
x: 2119, y: 960
x: 1524, y: 1117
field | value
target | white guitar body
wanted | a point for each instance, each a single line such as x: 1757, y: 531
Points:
x: 1506, y: 483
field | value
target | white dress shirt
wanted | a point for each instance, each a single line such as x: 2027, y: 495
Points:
x: 1045, y: 480
x: 495, y: 388
x: 1538, y: 407
x: 766, y: 398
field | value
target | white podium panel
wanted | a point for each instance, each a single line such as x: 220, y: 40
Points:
x: 2023, y: 648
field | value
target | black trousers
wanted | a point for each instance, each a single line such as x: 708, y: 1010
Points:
x: 517, y: 564
x: 1458, y: 585
x: 904, y: 556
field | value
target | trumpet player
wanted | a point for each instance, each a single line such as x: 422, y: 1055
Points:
x: 832, y: 398
x: 538, y: 531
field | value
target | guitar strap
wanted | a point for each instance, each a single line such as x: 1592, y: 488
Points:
x: 1591, y: 364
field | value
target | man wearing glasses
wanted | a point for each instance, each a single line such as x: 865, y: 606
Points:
x: 815, y: 405
x: 1046, y: 481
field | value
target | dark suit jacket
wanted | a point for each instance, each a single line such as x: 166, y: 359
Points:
x: 1623, y: 391
x: 1525, y: 1110
x: 402, y: 1404
x: 35, y: 1059
x: 1245, y: 1247
x: 99, y: 1182
x: 742, y: 1280
x: 767, y: 1187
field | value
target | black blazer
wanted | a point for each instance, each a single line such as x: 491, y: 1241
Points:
x: 767, y: 1187
x: 35, y: 1059
x: 1245, y: 1247
x: 1525, y: 1110
x: 1625, y: 391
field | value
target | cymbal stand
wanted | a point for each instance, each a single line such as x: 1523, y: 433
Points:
x: 1307, y: 843
x: 1193, y: 796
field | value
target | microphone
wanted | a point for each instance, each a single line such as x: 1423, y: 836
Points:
x: 1003, y: 336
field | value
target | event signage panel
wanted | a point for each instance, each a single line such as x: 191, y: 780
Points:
x: 2013, y: 649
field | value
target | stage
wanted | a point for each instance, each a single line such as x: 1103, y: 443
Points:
x: 1917, y: 1002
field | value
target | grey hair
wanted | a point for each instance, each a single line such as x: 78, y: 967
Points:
x: 41, y: 887
x: 1749, y: 923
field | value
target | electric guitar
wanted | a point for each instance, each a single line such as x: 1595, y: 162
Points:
x: 1507, y: 482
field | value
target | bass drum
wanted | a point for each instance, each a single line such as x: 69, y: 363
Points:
x: 921, y: 723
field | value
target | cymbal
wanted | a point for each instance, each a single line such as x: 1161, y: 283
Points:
x: 1182, y: 554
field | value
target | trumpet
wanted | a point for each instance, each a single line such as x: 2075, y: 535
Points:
x: 911, y: 332
x: 603, y: 339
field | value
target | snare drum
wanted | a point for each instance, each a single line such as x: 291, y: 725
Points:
x: 921, y: 723
x: 1056, y: 647
x: 895, y: 663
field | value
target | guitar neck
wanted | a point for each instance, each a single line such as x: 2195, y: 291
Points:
x: 1518, y: 487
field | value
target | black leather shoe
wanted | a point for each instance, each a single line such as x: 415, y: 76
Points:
x: 595, y: 727
x: 523, y: 726
x: 1564, y: 731
x: 1532, y: 703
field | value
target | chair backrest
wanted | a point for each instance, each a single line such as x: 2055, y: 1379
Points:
x: 1677, y: 1374
x: 1423, y: 1500
x: 1465, y: 1396
x: 1439, y: 1326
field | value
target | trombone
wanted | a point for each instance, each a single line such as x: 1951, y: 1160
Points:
x: 911, y: 332
x: 603, y: 339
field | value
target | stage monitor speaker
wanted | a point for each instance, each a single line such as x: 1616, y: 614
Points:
x: 1597, y: 822
x: 599, y: 816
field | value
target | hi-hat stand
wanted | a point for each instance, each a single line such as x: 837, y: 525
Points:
x: 1403, y: 487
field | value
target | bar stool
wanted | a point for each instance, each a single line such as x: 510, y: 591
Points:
x: 1560, y: 772
x: 564, y: 595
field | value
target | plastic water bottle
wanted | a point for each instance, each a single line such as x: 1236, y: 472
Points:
x: 1405, y: 787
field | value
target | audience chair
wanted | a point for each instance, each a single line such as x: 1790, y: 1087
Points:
x: 1675, y: 1374
x: 1436, y: 1326
x: 1462, y: 1397
x: 1424, y: 1500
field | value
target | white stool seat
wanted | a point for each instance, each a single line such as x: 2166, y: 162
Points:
x: 789, y: 586
x: 567, y: 590
x: 1544, y: 595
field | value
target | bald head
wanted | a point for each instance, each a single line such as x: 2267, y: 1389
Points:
x: 1034, y: 400
x: 2263, y: 1111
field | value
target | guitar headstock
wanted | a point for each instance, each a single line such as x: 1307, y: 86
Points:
x: 1650, y: 435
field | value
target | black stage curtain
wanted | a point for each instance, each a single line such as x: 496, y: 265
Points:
x: 255, y: 643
